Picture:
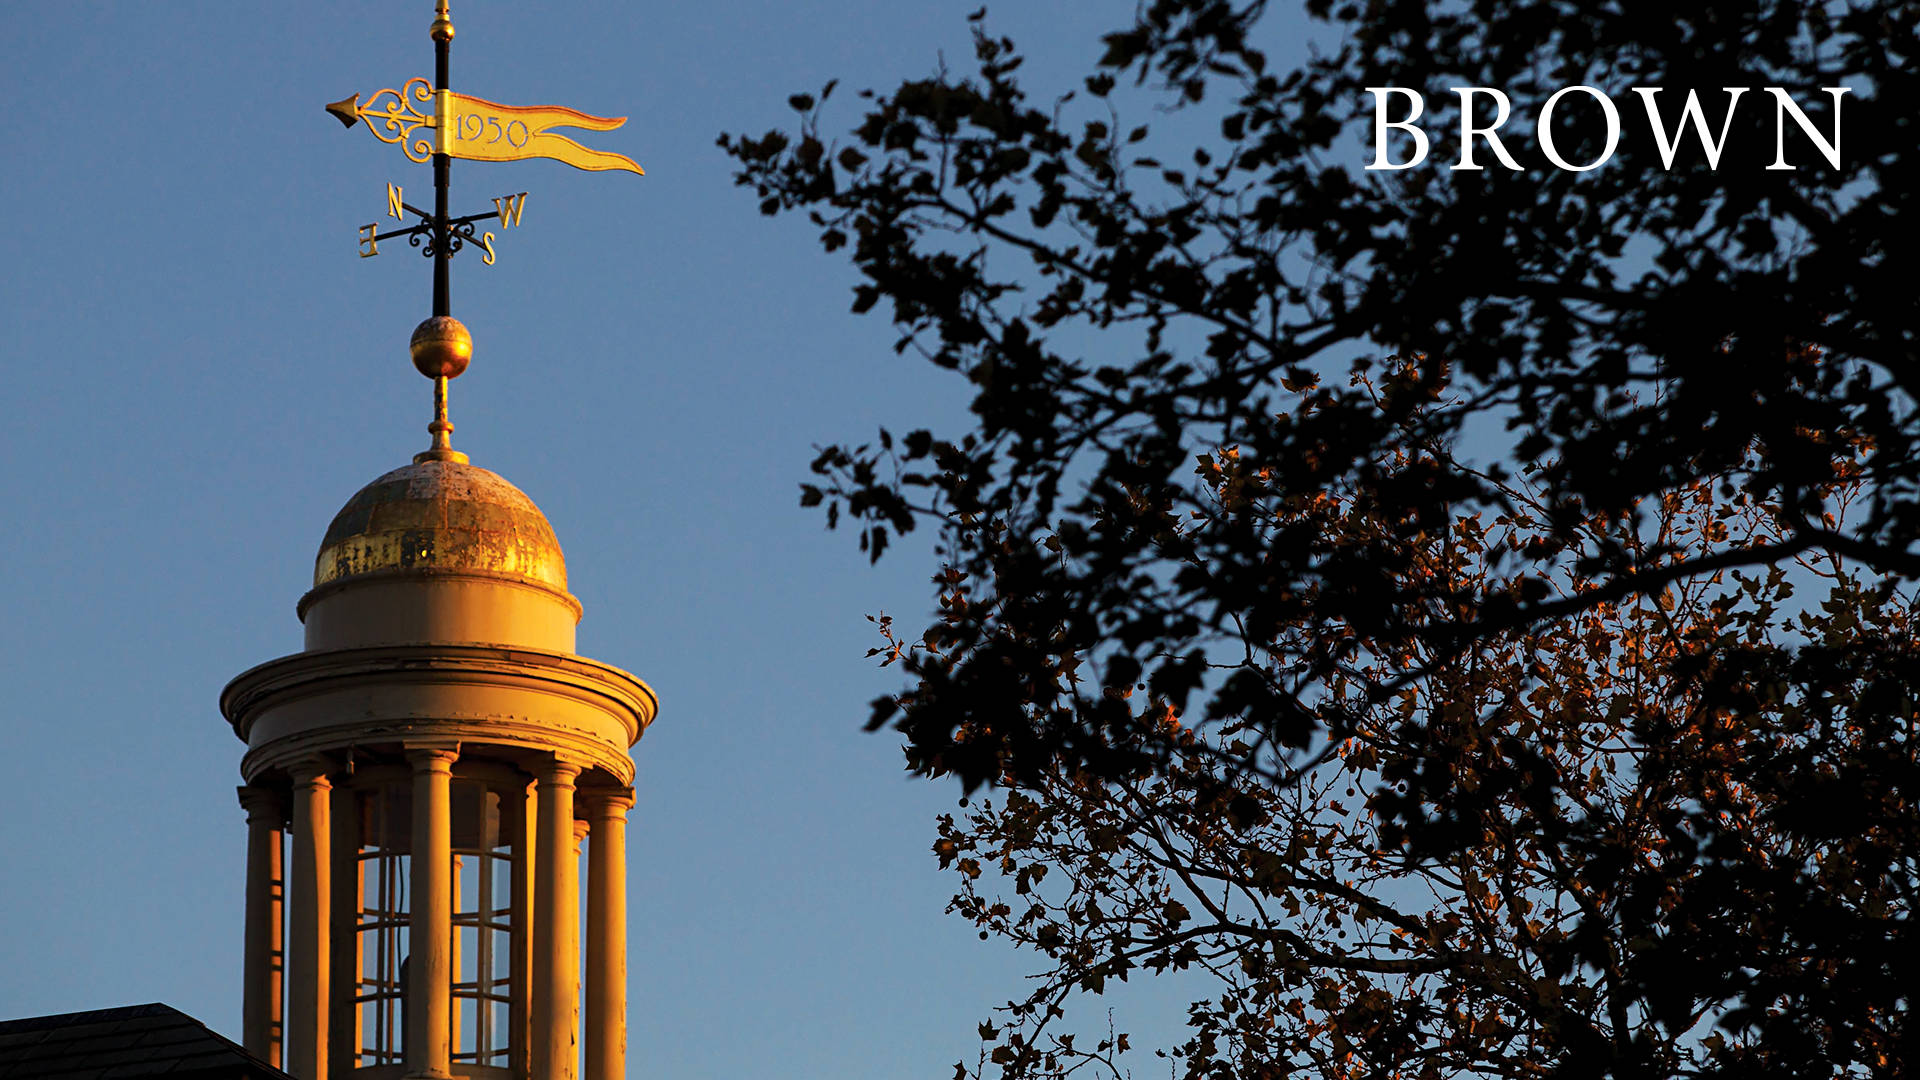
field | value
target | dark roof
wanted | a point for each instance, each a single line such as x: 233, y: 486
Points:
x: 131, y: 1041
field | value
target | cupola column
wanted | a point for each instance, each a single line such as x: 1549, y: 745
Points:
x: 307, y: 998
x: 430, y: 931
x: 579, y: 849
x: 556, y: 925
x: 343, y: 915
x: 520, y: 805
x: 606, y: 1020
x: 260, y: 981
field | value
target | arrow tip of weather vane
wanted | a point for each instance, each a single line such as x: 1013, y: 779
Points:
x: 346, y: 110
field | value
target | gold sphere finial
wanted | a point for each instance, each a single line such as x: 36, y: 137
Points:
x: 442, y: 28
x: 441, y: 347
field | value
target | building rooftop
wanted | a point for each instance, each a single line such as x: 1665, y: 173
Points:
x: 130, y: 1041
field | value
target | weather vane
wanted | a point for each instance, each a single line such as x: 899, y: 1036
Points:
x: 460, y: 126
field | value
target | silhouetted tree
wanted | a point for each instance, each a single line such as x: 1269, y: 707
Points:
x: 1661, y: 836
x: 1120, y: 628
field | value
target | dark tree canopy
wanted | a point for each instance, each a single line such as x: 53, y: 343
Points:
x: 1607, y: 845
x: 1234, y: 400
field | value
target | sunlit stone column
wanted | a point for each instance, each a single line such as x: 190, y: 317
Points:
x: 556, y: 922
x: 306, y: 1024
x: 579, y: 842
x: 606, y: 1026
x: 343, y: 915
x: 260, y: 981
x: 430, y: 915
x: 518, y: 805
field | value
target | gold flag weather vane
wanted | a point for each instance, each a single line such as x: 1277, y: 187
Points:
x: 459, y: 126
x: 431, y: 123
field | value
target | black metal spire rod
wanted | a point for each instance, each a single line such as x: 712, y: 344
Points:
x: 442, y: 239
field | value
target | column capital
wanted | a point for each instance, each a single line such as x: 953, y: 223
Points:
x: 311, y: 772
x: 557, y: 772
x: 433, y: 758
x: 263, y: 804
x: 603, y: 803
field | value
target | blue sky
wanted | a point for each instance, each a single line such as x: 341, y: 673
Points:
x: 198, y: 371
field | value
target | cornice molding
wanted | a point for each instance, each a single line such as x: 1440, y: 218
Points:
x: 302, y: 674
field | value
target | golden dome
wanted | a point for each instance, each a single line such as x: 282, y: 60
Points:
x: 441, y: 516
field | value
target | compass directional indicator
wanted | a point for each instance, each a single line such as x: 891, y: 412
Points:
x: 460, y: 230
x: 431, y: 123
